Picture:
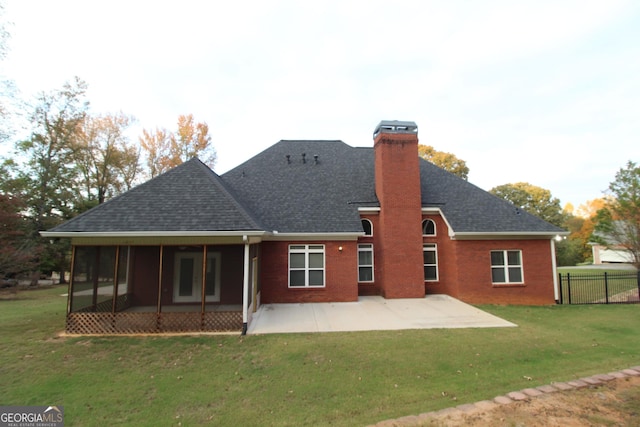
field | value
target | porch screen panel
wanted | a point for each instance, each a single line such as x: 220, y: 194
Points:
x: 142, y: 284
x: 123, y: 297
x: 93, y: 278
x: 106, y: 272
x: 84, y: 271
x: 123, y: 270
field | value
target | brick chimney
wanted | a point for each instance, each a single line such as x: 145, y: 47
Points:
x: 397, y: 183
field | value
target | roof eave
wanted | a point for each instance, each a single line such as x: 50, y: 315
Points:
x: 369, y: 209
x: 506, y: 235
x: 199, y: 233
x: 284, y: 236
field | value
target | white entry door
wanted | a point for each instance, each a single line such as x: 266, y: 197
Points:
x: 187, y: 277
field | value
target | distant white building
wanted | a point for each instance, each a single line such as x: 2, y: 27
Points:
x: 607, y: 250
x: 609, y: 255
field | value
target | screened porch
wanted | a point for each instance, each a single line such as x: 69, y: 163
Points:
x: 122, y: 289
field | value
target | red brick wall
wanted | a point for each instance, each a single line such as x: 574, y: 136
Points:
x: 474, y: 273
x: 447, y: 259
x: 372, y: 288
x: 341, y: 274
x: 397, y: 181
x: 464, y: 269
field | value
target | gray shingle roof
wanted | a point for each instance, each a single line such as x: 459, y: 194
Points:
x: 189, y: 197
x: 290, y: 195
x: 469, y: 209
x: 314, y: 195
x: 293, y: 187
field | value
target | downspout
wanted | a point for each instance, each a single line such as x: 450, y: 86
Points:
x: 245, y: 287
x: 556, y: 290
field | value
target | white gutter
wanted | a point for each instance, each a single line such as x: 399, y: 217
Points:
x: 506, y: 234
x: 264, y: 235
x: 444, y: 218
x: 275, y: 235
x: 151, y: 233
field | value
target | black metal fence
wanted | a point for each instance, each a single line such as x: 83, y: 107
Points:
x: 599, y: 288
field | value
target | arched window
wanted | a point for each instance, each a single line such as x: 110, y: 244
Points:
x: 367, y: 226
x: 428, y: 227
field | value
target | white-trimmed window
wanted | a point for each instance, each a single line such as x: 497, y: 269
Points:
x: 430, y: 258
x: 306, y: 266
x: 365, y: 263
x: 428, y: 227
x: 506, y: 267
x: 367, y: 226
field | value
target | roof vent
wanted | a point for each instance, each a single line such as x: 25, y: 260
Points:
x: 288, y: 156
x: 315, y: 159
x: 395, y: 126
x: 304, y: 157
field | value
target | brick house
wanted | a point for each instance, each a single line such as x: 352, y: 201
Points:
x: 303, y: 221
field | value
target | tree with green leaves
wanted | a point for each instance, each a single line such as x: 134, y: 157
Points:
x: 47, y: 177
x: 18, y: 255
x: 533, y: 199
x: 70, y: 162
x: 50, y: 173
x: 618, y: 223
x: 569, y: 251
x: 446, y: 161
x: 107, y: 162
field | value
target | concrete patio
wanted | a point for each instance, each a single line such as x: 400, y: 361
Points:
x: 372, y: 313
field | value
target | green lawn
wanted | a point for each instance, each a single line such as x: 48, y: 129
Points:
x: 298, y: 379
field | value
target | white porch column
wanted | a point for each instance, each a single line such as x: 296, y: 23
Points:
x: 245, y: 287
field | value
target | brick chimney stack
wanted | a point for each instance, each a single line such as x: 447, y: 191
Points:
x: 397, y: 183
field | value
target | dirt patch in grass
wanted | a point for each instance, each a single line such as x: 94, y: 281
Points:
x: 9, y: 293
x: 615, y: 403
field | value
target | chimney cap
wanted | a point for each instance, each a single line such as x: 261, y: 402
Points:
x: 395, y: 126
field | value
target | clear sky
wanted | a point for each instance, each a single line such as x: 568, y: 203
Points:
x: 546, y: 92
